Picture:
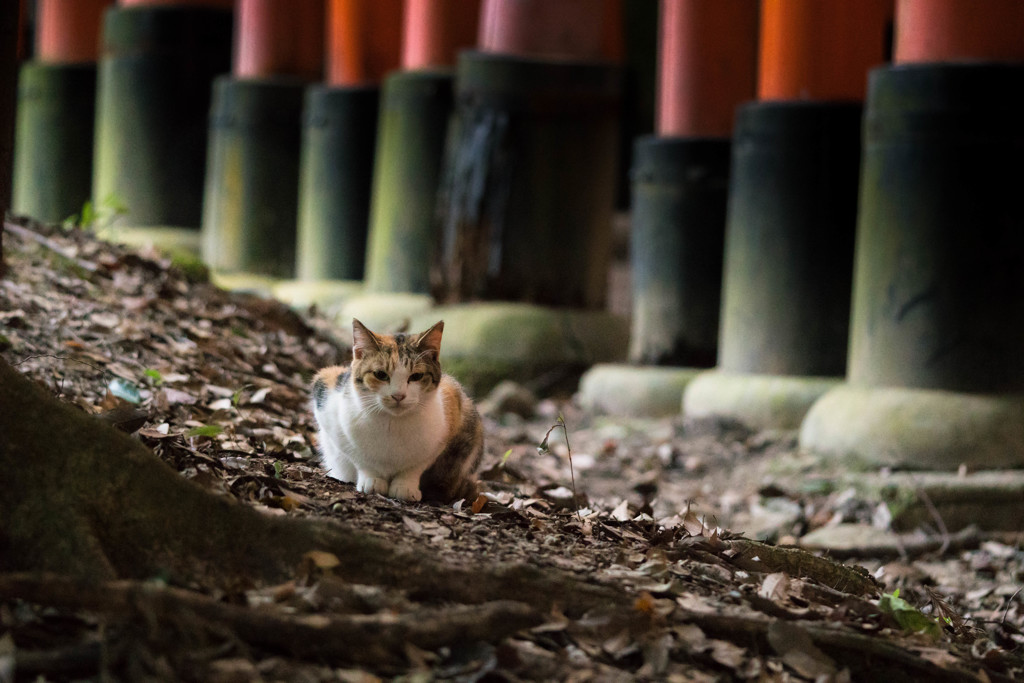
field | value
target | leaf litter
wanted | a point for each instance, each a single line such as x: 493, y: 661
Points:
x: 216, y: 384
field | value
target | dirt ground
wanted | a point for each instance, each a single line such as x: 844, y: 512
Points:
x: 216, y: 384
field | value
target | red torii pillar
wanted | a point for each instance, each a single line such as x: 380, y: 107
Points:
x: 436, y: 30
x: 936, y: 374
x: 706, y: 67
x: 570, y: 29
x: 959, y: 30
x: 416, y: 104
x: 364, y: 42
x: 813, y: 50
x: 56, y: 111
x: 279, y: 38
x: 250, y: 206
x: 792, y: 212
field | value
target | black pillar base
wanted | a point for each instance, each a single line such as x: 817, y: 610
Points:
x: 252, y: 184
x: 530, y: 181
x: 335, y: 180
x: 790, y: 238
x: 153, y: 101
x: 54, y: 140
x: 679, y: 200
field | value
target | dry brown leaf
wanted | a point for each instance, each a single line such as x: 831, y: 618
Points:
x: 775, y: 586
x: 478, y: 504
x: 621, y: 512
x: 412, y: 525
x: 728, y: 654
x: 692, y: 638
x: 322, y: 559
x: 798, y: 651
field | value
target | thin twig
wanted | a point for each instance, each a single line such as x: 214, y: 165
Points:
x: 57, y: 357
x: 50, y: 244
x: 934, y: 512
x: 543, y: 448
x: 1009, y: 601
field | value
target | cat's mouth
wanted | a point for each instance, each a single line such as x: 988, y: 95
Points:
x: 397, y: 408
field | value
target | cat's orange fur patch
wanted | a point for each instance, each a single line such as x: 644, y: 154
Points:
x: 451, y: 400
x: 330, y: 376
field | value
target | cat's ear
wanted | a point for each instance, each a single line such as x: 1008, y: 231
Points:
x: 430, y: 341
x: 363, y: 340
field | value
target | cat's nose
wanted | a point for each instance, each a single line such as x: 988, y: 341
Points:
x: 398, y: 397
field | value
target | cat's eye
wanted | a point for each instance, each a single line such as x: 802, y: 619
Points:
x: 381, y: 375
x: 416, y: 377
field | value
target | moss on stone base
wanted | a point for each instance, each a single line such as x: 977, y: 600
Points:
x: 635, y: 391
x: 329, y: 296
x: 545, y: 348
x: 757, y: 401
x: 250, y: 283
x: 916, y: 428
x: 386, y: 312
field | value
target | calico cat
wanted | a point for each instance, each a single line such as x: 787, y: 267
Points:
x: 394, y: 424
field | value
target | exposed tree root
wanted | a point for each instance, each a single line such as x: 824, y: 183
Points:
x: 377, y: 639
x: 84, y: 500
x: 868, y: 657
x: 798, y: 563
x: 967, y: 538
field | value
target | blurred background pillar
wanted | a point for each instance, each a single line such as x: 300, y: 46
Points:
x: 157, y: 62
x: 706, y: 68
x: 792, y: 213
x: 250, y: 205
x: 364, y: 40
x: 936, y: 378
x: 416, y: 104
x: 56, y: 111
x: 530, y: 173
x: 12, y: 48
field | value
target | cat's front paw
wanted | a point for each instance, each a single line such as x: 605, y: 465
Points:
x: 342, y: 469
x: 405, y: 490
x: 368, y: 484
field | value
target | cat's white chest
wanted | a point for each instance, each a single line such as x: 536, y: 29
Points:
x: 384, y: 445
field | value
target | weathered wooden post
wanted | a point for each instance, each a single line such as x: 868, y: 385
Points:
x: 792, y: 214
x: 530, y: 170
x: 157, y: 62
x: 56, y: 111
x: 415, y: 107
x: 339, y: 138
x: 936, y: 377
x: 251, y: 198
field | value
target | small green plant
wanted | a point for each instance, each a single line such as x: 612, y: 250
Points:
x: 191, y: 266
x: 907, y: 616
x: 101, y: 216
x: 205, y: 430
